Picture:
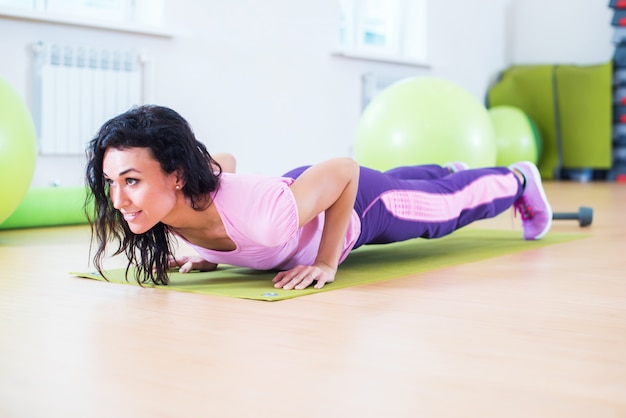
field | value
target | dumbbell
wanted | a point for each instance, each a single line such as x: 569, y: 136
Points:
x: 584, y: 215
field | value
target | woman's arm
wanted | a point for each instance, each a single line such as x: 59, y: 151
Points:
x: 226, y: 161
x: 330, y: 186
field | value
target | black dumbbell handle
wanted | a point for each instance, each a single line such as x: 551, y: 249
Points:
x: 565, y: 215
x: 584, y: 216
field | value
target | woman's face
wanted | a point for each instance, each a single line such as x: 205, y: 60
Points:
x: 139, y: 188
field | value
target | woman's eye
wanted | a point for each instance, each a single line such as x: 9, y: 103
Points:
x: 108, y: 182
x: 131, y: 181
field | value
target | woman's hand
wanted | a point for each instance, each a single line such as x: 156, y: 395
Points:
x: 188, y: 263
x: 301, y: 277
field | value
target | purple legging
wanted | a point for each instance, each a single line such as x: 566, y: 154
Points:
x: 427, y: 201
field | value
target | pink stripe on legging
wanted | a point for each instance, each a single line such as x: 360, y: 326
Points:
x: 439, y: 207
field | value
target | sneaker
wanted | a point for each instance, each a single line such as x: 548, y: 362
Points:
x: 456, y: 166
x: 533, y: 206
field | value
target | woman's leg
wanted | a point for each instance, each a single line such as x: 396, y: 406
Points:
x: 418, y: 172
x: 412, y: 172
x: 396, y: 209
x: 426, y: 171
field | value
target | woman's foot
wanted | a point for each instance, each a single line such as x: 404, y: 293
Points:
x: 533, y: 206
x: 456, y: 166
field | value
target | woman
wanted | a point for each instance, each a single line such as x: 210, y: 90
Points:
x: 151, y: 179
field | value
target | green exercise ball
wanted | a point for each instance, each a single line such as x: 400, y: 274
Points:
x: 517, y: 136
x: 424, y: 120
x: 18, y: 149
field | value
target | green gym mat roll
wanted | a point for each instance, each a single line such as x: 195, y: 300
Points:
x: 571, y: 106
x: 49, y: 206
x: 584, y: 97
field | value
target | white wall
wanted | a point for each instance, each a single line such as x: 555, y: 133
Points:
x: 258, y: 78
x: 560, y: 31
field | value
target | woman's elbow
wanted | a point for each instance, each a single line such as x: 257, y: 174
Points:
x: 227, y: 162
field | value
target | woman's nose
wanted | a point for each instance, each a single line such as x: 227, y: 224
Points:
x: 118, y: 197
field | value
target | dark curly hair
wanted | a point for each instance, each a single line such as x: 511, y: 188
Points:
x: 174, y: 145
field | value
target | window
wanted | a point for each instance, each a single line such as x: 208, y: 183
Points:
x: 392, y: 30
x: 126, y: 15
x: 110, y: 10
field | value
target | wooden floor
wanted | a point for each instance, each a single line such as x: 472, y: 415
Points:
x: 540, y: 333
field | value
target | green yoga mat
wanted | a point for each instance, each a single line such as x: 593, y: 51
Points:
x: 369, y: 264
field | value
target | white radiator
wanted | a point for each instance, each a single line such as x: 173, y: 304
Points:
x: 77, y: 89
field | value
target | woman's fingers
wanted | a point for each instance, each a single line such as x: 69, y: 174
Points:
x: 176, y: 262
x: 187, y: 263
x: 300, y: 278
x: 292, y: 279
x: 186, y: 267
x: 303, y: 282
x: 321, y: 281
x: 184, y: 264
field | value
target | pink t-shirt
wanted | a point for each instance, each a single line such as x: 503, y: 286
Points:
x: 261, y: 217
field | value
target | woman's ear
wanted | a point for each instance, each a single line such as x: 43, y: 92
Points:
x: 179, y: 179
